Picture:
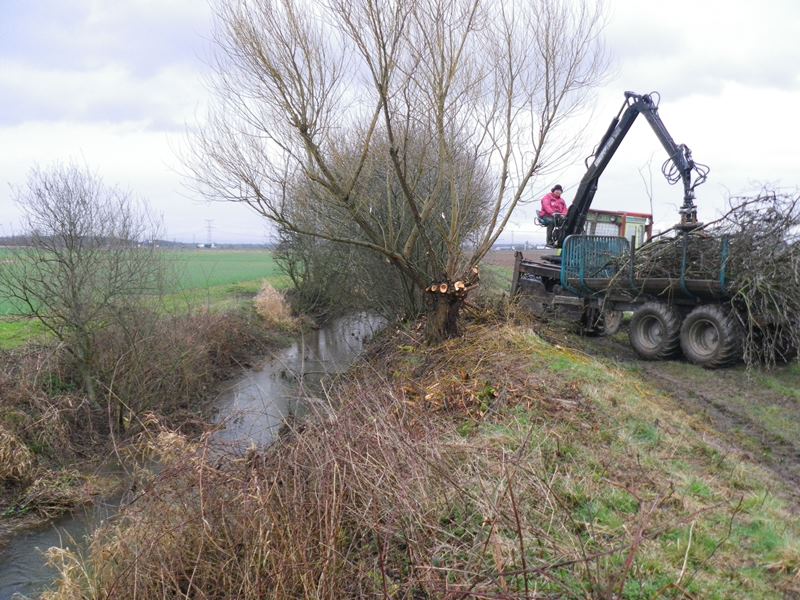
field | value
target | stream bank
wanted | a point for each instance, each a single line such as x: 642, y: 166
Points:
x: 251, y: 407
x: 493, y: 465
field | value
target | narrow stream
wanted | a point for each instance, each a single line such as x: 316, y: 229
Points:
x: 252, y: 408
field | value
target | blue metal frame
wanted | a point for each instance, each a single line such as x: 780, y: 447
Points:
x: 600, y: 256
x: 590, y: 256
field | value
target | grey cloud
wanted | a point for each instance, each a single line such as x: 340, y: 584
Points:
x: 708, y: 76
x: 103, y: 61
x: 163, y: 101
x: 144, y: 36
x: 132, y: 60
x: 695, y: 48
x: 639, y: 41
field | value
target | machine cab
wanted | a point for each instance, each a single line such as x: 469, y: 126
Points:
x: 619, y: 223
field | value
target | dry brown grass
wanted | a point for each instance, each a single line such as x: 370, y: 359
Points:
x: 54, y: 492
x: 44, y: 426
x: 286, y: 523
x: 38, y: 416
x: 271, y: 306
x: 378, y: 496
x: 162, y: 366
x: 169, y: 365
x: 16, y: 461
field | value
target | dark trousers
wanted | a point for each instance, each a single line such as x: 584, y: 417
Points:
x: 550, y: 223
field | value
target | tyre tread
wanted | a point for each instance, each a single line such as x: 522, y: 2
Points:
x: 730, y: 349
x: 670, y: 318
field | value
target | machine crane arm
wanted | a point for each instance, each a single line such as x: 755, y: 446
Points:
x: 679, y: 165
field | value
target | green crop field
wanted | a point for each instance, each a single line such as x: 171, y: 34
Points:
x: 200, y: 269
x: 218, y: 278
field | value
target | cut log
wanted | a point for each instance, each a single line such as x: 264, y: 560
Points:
x: 443, y: 288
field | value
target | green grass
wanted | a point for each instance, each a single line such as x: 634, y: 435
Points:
x: 218, y: 279
x: 676, y: 451
x: 16, y: 333
x: 617, y: 449
x: 495, y: 281
x: 607, y: 466
x: 783, y: 380
x: 769, y: 398
x: 204, y: 269
x: 775, y: 419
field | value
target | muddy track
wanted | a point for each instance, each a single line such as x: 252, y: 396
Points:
x: 709, y: 394
x: 778, y: 454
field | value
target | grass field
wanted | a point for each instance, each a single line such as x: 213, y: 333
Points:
x: 214, y: 278
x: 203, y: 269
x: 219, y: 278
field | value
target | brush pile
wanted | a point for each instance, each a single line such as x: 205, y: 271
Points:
x: 761, y: 262
x: 663, y: 257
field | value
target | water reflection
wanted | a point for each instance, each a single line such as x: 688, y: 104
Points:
x: 255, y: 406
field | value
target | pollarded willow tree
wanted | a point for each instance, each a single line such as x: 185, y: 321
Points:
x: 319, y: 97
x: 341, y: 275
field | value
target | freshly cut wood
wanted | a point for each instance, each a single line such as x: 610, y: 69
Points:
x: 460, y: 287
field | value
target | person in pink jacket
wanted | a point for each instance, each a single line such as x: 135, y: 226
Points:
x: 553, y: 203
x: 553, y: 210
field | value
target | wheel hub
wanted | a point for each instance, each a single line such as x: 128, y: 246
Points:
x: 653, y: 331
x: 706, y: 336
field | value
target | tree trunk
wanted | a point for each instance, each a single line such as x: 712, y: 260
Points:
x: 443, y: 313
x: 87, y: 379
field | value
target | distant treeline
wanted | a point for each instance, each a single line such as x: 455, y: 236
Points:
x: 25, y: 240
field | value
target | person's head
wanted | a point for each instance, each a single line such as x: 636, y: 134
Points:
x: 557, y: 189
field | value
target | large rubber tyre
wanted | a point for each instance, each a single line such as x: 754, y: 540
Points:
x: 711, y: 337
x: 655, y: 331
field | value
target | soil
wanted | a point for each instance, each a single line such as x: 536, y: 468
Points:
x: 753, y: 411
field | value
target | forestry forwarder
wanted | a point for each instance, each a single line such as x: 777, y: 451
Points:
x: 669, y: 314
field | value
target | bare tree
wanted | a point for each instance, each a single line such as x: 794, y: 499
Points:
x: 311, y: 90
x: 346, y: 276
x: 90, y: 259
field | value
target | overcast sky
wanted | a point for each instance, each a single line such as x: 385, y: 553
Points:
x: 114, y: 83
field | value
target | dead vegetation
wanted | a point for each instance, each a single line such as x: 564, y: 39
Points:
x: 754, y: 252
x: 47, y: 425
x: 16, y: 461
x: 52, y: 493
x: 271, y: 306
x: 496, y: 466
